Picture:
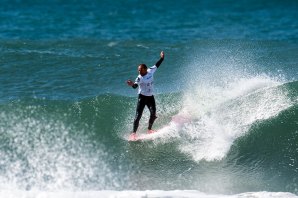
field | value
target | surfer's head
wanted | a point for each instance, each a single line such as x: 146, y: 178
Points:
x: 142, y: 69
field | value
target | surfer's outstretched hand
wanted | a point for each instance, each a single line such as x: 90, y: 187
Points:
x: 162, y: 54
x: 129, y: 83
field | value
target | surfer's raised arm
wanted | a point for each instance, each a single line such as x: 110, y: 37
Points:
x: 162, y: 55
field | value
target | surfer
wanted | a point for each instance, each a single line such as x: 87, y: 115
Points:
x: 144, y: 82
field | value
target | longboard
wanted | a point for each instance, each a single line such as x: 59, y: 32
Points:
x: 177, y: 121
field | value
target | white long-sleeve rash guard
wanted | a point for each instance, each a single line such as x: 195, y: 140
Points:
x: 145, y: 83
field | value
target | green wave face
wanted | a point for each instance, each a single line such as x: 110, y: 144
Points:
x: 247, y: 139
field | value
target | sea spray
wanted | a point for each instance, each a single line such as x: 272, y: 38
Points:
x: 220, y: 117
x: 43, y: 150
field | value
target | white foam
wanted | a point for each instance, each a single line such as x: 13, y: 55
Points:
x: 138, y: 194
x: 42, y: 153
x: 213, y: 117
x: 222, y: 114
x: 112, y: 44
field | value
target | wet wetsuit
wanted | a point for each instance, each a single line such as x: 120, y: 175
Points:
x: 146, y: 98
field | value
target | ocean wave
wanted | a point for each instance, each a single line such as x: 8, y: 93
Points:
x: 50, y: 144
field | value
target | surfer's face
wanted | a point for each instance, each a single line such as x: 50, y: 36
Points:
x: 142, y: 70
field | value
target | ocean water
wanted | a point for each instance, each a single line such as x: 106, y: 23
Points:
x: 226, y: 94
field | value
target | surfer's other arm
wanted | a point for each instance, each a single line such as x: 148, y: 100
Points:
x: 132, y: 84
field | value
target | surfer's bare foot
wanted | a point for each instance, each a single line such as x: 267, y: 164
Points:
x: 150, y: 131
x: 133, y: 136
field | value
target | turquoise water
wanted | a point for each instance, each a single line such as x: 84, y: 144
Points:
x: 230, y: 73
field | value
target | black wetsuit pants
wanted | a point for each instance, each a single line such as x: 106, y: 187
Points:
x: 143, y: 101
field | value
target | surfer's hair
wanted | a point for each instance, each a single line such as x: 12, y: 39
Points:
x: 143, y: 65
